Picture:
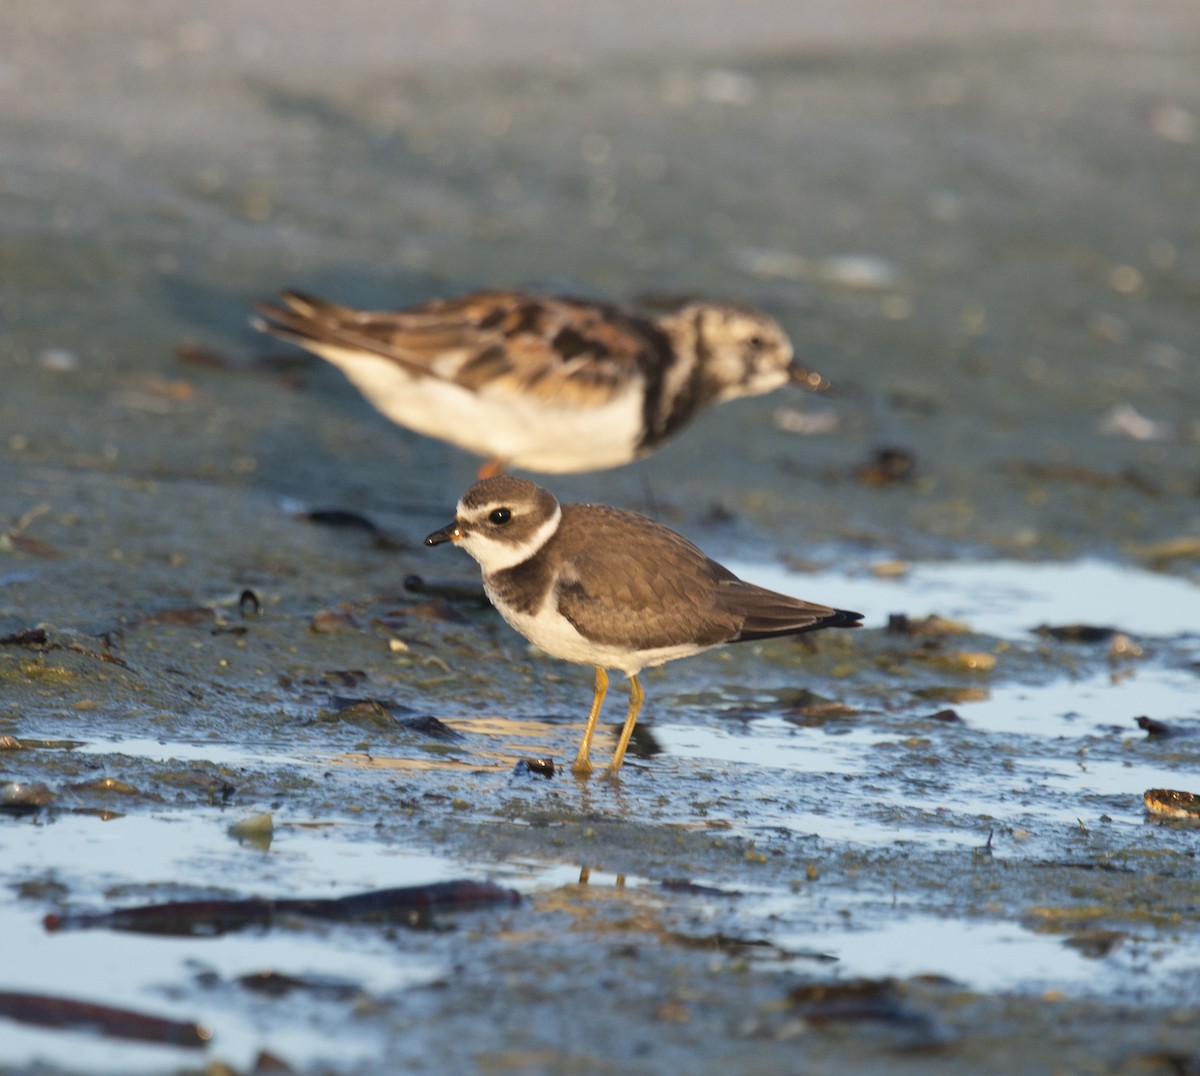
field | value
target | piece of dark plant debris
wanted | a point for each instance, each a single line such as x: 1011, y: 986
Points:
x: 189, y: 353
x: 366, y: 712
x: 43, y: 1010
x: 388, y: 714
x: 34, y: 743
x: 887, y: 467
x: 23, y: 797
x: 193, y: 616
x: 33, y: 638
x: 339, y: 517
x: 436, y: 608
x: 109, y: 786
x: 17, y: 540
x: 428, y: 725
x: 1095, y: 944
x: 682, y: 885
x: 864, y: 1001
x: 330, y: 621
x: 818, y: 713
x: 537, y: 767
x: 1153, y: 728
x: 1171, y: 803
x: 395, y: 712
x: 1084, y: 476
x: 1076, y: 633
x: 346, y: 520
x: 32, y: 546
x: 412, y: 906
x: 717, y: 515
x: 285, y: 370
x: 460, y: 590
x: 340, y: 678
x: 903, y: 624
x: 189, y: 617
x: 277, y: 984
x: 727, y: 943
x: 1168, y: 1062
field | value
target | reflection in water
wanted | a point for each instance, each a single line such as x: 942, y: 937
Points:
x: 518, y: 738
x: 1085, y: 707
x: 990, y: 956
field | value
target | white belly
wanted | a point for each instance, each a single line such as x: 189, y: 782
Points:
x: 524, y: 431
x: 548, y: 630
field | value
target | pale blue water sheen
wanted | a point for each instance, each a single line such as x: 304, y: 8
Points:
x: 1005, y: 598
x: 157, y: 975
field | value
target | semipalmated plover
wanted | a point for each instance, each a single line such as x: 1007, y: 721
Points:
x: 612, y: 589
x: 544, y: 383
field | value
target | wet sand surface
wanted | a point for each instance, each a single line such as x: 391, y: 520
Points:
x: 917, y: 847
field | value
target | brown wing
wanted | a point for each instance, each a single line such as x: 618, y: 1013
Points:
x: 659, y: 590
x: 654, y: 588
x: 511, y: 342
x: 765, y: 614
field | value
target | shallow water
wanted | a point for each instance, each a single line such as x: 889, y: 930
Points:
x: 1007, y: 599
x: 1026, y: 763
x: 140, y: 858
x: 968, y: 217
x: 993, y: 957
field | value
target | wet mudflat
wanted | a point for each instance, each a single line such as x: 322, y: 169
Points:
x: 921, y: 846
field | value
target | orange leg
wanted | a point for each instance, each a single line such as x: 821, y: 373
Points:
x: 636, y: 694
x: 490, y: 469
x: 582, y: 764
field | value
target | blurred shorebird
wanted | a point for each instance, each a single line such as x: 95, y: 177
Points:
x: 612, y: 589
x: 544, y: 383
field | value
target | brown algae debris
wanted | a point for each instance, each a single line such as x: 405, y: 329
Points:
x: 1169, y: 803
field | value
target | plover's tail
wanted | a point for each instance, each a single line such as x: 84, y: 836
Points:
x: 767, y: 614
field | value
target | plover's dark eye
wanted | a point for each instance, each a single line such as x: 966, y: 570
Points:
x: 755, y: 342
x: 500, y: 516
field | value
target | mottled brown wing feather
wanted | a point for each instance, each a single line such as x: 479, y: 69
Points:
x: 550, y: 347
x: 311, y: 324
